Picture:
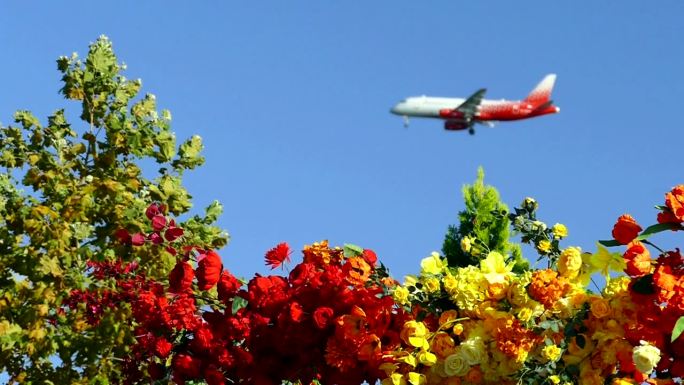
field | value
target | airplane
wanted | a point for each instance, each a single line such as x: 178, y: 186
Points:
x: 461, y: 114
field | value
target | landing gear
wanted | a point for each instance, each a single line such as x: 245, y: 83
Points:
x: 406, y: 121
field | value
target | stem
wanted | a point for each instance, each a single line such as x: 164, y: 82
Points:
x: 653, y: 245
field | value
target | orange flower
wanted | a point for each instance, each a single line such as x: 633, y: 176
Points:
x: 547, y: 287
x: 674, y: 200
x: 626, y: 229
x: 638, y: 259
x: 474, y: 375
x: 320, y: 254
x: 357, y: 271
x: 513, y: 339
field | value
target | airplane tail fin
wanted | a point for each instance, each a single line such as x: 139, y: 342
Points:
x: 541, y: 94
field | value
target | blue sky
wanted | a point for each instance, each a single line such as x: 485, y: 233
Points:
x: 292, y: 101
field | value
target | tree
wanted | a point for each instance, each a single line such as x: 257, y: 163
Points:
x: 85, y: 182
x: 483, y: 227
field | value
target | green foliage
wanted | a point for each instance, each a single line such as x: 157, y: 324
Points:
x: 84, y: 182
x: 483, y: 227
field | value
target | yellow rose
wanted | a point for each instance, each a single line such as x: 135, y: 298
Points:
x: 432, y: 264
x: 525, y: 314
x: 401, y: 295
x: 559, y: 230
x: 450, y: 283
x: 544, y: 246
x: 570, y: 262
x: 497, y: 291
x: 555, y: 380
x: 455, y: 365
x: 551, y: 352
x: 414, y: 333
x: 599, y: 307
x: 431, y: 285
x: 645, y: 357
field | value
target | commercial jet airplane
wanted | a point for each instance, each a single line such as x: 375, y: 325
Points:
x: 461, y: 114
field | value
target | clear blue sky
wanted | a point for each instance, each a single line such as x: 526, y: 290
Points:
x: 292, y: 101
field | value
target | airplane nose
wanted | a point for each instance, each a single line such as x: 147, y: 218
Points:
x: 396, y: 110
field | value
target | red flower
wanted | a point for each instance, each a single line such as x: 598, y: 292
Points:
x: 137, y: 239
x: 209, y: 270
x: 228, y: 286
x: 370, y: 256
x: 626, y: 229
x: 638, y: 259
x: 152, y: 210
x: 277, y: 255
x: 186, y: 366
x: 180, y: 278
x: 162, y: 347
x: 173, y: 233
x: 322, y: 317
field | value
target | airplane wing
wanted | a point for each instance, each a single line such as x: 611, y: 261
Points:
x: 469, y: 107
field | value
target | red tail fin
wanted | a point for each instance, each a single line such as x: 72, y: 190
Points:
x: 542, y: 92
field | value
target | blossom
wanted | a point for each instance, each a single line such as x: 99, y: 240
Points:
x: 570, y: 262
x: 599, y: 307
x: 674, y: 200
x: 180, y: 278
x: 432, y: 264
x: 551, y: 352
x: 400, y: 295
x: 638, y: 259
x: 208, y: 270
x: 544, y: 246
x: 646, y: 357
x: 414, y: 333
x: 494, y: 268
x: 356, y: 270
x: 547, y: 287
x: 559, y: 230
x: 277, y: 255
x: 626, y: 229
x: 455, y: 365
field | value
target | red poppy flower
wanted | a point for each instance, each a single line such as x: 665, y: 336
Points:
x: 209, y: 270
x: 626, y: 229
x: 370, y: 256
x: 180, y: 278
x: 277, y: 255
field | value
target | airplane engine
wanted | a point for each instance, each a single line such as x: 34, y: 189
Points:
x: 455, y: 125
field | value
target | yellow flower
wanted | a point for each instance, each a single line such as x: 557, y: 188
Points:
x: 559, y: 230
x: 400, y: 295
x: 645, y: 357
x: 494, y: 268
x: 458, y: 329
x: 414, y: 333
x: 473, y: 351
x: 466, y: 244
x: 555, y: 380
x: 599, y: 307
x: 431, y: 285
x: 455, y: 365
x: 551, y: 352
x: 544, y: 246
x: 410, y: 280
x: 442, y: 344
x: 408, y: 359
x: 450, y: 283
x: 525, y: 314
x: 432, y: 264
x: 416, y: 378
x: 570, y: 262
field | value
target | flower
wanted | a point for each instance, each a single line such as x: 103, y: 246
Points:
x: 645, y: 357
x: 559, y: 230
x: 357, y: 271
x: 547, y: 287
x: 599, y: 307
x: 208, y: 270
x: 180, y: 278
x: 456, y: 365
x: 544, y: 246
x: 626, y: 229
x: 570, y: 262
x: 432, y: 264
x: 638, y: 259
x: 277, y: 255
x: 674, y: 200
x: 551, y: 352
x: 414, y: 333
x: 400, y: 295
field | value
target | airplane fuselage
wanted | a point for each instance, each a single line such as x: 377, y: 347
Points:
x: 489, y: 110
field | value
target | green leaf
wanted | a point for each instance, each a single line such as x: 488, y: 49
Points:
x: 609, y: 243
x: 352, y: 250
x: 678, y: 329
x: 657, y: 228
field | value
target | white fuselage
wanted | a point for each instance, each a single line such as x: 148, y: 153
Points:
x: 429, y: 106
